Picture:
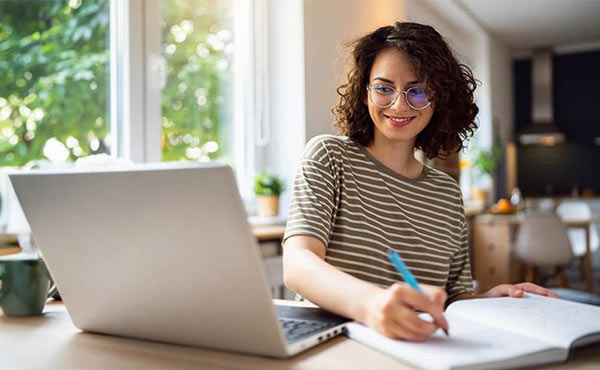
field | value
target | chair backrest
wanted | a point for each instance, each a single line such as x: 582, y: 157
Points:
x: 574, y: 210
x: 579, y: 210
x: 546, y: 205
x: 542, y: 240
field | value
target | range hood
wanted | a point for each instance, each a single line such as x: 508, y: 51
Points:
x: 542, y: 130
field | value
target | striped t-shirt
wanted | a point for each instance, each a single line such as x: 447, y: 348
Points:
x: 360, y: 208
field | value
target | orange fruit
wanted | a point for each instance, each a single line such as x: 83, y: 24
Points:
x: 504, y: 205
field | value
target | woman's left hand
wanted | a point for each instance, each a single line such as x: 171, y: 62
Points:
x: 517, y: 290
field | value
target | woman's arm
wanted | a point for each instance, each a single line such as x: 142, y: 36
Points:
x: 389, y: 311
x: 508, y: 290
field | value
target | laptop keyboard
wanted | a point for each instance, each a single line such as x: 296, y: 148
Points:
x: 297, y: 329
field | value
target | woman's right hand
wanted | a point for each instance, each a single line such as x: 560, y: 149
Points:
x: 393, y: 312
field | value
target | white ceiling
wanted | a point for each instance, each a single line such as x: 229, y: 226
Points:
x: 523, y: 25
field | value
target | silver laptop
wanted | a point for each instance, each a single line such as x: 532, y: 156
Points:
x: 163, y: 252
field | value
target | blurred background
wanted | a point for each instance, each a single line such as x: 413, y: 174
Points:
x: 248, y: 82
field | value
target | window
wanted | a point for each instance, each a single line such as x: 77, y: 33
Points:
x: 145, y: 80
x: 54, y: 90
x: 197, y: 110
x: 181, y: 82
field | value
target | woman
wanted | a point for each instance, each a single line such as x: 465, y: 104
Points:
x: 358, y: 195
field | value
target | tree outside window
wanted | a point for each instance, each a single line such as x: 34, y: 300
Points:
x: 55, y: 85
x: 197, y: 44
x: 54, y: 89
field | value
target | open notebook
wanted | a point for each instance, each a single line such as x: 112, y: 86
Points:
x: 496, y: 333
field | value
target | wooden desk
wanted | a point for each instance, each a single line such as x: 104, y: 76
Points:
x: 9, y: 250
x: 493, y: 236
x: 268, y: 232
x: 9, y: 244
x: 52, y: 342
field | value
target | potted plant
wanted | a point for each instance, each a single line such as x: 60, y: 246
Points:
x: 485, y: 163
x: 267, y: 188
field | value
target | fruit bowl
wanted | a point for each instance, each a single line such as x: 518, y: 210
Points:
x: 503, y: 207
x: 495, y: 210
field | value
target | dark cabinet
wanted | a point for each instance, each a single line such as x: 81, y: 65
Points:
x: 577, y: 96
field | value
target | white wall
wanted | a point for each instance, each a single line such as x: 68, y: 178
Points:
x: 461, y: 36
x: 502, y: 89
x: 328, y: 24
x: 286, y: 86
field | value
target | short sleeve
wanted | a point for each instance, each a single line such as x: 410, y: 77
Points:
x: 460, y: 280
x: 312, y: 201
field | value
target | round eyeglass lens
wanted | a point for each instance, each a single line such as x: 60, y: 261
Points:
x: 383, y: 96
x: 417, y: 97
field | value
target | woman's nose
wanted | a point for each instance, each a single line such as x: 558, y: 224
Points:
x: 400, y: 104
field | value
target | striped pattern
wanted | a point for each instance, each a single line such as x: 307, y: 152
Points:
x: 359, y: 208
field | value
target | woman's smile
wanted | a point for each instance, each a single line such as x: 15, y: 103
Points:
x: 399, y: 121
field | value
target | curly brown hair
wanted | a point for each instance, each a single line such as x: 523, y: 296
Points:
x: 452, y: 85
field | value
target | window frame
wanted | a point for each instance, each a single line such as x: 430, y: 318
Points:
x: 135, y: 92
x: 138, y: 75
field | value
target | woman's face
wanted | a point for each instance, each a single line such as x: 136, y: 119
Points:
x: 398, y: 122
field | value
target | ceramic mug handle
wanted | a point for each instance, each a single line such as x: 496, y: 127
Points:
x: 1, y: 285
x: 52, y: 290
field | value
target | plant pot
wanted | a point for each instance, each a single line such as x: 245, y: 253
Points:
x: 480, y: 195
x: 267, y: 205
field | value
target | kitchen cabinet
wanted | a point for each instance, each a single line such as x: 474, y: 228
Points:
x: 492, y: 257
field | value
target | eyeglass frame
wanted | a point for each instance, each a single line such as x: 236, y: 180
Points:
x: 396, y: 94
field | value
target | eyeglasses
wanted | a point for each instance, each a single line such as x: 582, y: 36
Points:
x: 385, y: 96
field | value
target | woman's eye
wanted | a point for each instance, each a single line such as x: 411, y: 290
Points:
x: 383, y: 89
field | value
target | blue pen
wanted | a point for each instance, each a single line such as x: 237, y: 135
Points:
x: 406, y: 274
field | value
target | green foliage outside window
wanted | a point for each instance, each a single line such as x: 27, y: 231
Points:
x: 54, y: 79
x: 55, y: 82
x: 196, y: 102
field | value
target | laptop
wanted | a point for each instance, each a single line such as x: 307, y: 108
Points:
x: 163, y: 252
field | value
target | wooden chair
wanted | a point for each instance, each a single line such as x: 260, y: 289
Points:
x: 542, y: 241
x: 579, y: 210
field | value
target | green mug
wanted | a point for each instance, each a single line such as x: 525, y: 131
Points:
x: 26, y: 285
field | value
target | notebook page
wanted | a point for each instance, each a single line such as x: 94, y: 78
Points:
x: 553, y: 320
x: 469, y: 344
